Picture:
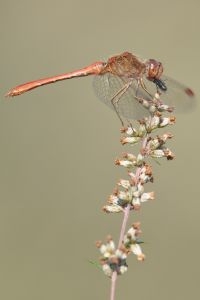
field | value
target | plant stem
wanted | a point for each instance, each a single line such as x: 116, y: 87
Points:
x: 122, y: 231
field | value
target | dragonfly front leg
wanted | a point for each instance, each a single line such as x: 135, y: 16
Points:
x: 141, y: 83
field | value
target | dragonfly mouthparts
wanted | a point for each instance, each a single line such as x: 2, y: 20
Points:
x: 162, y: 86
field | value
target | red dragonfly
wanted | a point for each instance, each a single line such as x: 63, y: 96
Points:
x: 123, y: 79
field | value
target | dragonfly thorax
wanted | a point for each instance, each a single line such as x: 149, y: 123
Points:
x: 125, y: 65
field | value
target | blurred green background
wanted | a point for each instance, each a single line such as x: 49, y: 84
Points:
x: 58, y: 145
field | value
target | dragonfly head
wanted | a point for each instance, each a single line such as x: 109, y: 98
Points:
x: 154, y: 69
x: 154, y: 72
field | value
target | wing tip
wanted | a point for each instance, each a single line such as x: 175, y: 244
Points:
x: 189, y: 92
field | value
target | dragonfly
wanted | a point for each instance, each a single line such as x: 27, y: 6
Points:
x: 121, y: 81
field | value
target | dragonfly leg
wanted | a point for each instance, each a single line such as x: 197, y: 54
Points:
x: 118, y: 114
x: 153, y: 100
x: 142, y: 84
x: 116, y: 98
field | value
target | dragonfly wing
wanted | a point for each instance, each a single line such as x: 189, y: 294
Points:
x: 178, y: 95
x: 107, y: 85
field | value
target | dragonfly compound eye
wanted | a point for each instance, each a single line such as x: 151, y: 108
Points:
x: 154, y: 69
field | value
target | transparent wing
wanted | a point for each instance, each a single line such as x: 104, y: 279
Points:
x: 177, y: 94
x: 107, y: 85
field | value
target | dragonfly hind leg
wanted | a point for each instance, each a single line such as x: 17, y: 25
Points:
x: 116, y: 98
